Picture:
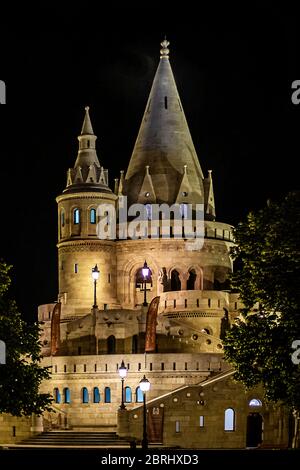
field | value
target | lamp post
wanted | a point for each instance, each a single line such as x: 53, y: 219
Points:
x: 145, y: 387
x: 122, y: 374
x: 145, y: 271
x: 95, y: 276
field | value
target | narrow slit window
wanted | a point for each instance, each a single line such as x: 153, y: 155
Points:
x: 166, y: 102
x: 76, y: 268
x: 201, y: 421
x: 93, y: 216
x: 177, y: 426
x: 76, y: 216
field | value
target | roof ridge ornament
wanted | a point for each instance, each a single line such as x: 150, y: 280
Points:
x: 164, y: 52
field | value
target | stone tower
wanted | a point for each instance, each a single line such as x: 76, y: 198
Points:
x: 190, y: 287
x: 79, y: 248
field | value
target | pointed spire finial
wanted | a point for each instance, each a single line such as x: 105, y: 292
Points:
x: 164, y: 52
x: 87, y: 125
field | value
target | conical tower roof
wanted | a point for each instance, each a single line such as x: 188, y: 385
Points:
x: 164, y: 144
x: 87, y: 173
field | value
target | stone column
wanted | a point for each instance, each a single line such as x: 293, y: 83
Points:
x: 37, y: 425
x: 123, y: 423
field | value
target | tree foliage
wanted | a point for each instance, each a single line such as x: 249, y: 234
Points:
x: 22, y: 374
x: 259, y: 344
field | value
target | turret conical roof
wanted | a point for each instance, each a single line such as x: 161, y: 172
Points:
x: 164, y: 144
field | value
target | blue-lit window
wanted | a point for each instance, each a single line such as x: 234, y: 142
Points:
x: 96, y: 395
x: 107, y: 395
x: 67, y: 395
x: 93, y: 216
x: 128, y: 395
x: 229, y: 420
x: 184, y: 210
x: 139, y: 395
x: 57, y: 396
x: 76, y: 216
x: 85, y: 395
x: 148, y: 208
x: 62, y: 218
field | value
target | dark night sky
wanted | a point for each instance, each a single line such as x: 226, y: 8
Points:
x: 233, y: 66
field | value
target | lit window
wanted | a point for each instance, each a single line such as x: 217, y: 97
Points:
x: 201, y: 421
x: 96, y: 395
x: 128, y: 395
x: 229, y: 416
x: 107, y: 397
x: 67, y: 396
x: 177, y: 426
x: 93, y: 216
x: 184, y: 210
x: 139, y: 395
x: 255, y: 402
x: 149, y: 211
x: 57, y: 397
x: 85, y: 395
x: 76, y: 216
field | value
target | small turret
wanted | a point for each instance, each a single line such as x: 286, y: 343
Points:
x: 87, y: 173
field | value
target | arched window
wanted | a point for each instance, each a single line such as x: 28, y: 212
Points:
x: 96, y: 395
x: 62, y: 218
x: 135, y: 344
x: 93, y: 216
x: 111, y: 345
x: 76, y: 216
x: 107, y: 396
x: 85, y: 395
x: 139, y: 398
x: 128, y: 395
x: 184, y: 210
x: 67, y: 395
x: 56, y: 395
x: 175, y: 281
x: 191, y: 280
x: 255, y: 402
x: 229, y: 419
x: 148, y: 208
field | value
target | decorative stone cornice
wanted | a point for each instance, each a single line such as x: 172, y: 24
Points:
x: 86, y: 245
x: 86, y: 195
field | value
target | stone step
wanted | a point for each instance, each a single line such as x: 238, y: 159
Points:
x: 74, y: 438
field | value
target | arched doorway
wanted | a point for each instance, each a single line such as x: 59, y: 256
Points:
x: 111, y: 345
x: 134, y: 344
x: 254, y: 430
x: 190, y: 285
x: 175, y: 280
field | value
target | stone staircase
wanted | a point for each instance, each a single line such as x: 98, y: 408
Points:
x: 60, y: 439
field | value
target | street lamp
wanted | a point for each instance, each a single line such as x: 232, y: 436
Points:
x: 95, y: 276
x: 145, y: 271
x: 145, y: 387
x: 122, y: 374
